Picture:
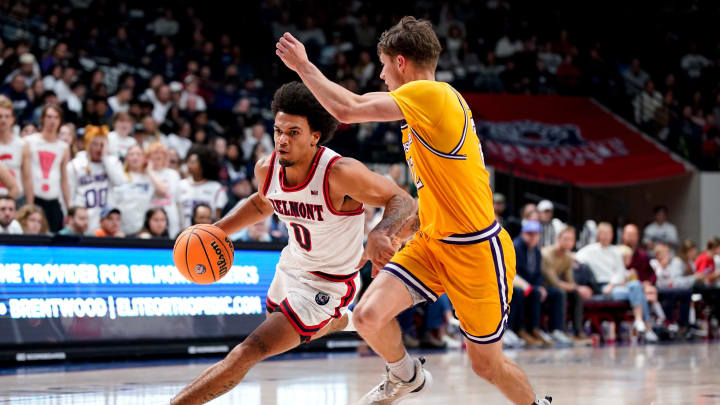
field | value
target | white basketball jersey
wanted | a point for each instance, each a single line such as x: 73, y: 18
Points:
x: 321, y: 237
x: 91, y: 184
x: 11, y: 158
x: 46, y: 158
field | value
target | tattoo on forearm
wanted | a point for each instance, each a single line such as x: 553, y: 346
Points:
x: 398, y: 211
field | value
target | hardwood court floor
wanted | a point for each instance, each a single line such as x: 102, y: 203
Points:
x: 666, y: 374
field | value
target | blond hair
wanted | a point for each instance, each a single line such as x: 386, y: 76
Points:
x: 28, y: 209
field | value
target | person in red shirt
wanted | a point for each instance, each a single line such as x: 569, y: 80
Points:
x: 705, y: 262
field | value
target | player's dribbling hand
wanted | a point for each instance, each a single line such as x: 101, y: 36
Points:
x: 291, y: 51
x: 379, y: 250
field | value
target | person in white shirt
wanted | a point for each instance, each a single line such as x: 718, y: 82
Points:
x: 120, y: 102
x: 8, y: 223
x: 168, y: 186
x: 674, y: 284
x: 93, y: 175
x: 660, y: 230
x: 11, y: 147
x: 62, y: 86
x: 45, y: 159
x: 609, y: 270
x: 202, y: 187
x: 162, y: 104
x: 136, y: 194
x: 119, y: 140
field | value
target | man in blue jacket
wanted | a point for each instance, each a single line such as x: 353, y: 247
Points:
x: 535, y: 294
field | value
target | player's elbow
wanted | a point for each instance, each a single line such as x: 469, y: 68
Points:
x: 343, y: 113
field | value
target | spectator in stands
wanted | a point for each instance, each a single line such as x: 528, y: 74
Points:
x: 254, y: 136
x: 201, y: 214
x: 202, y: 186
x: 45, y: 158
x: 256, y: 233
x: 557, y: 270
x: 529, y: 268
x: 28, y: 129
x: 660, y: 230
x: 675, y: 287
x: 687, y: 253
x: 638, y: 262
x: 93, y: 175
x: 155, y: 224
x: 616, y: 281
x: 646, y: 104
x: 119, y: 140
x: 136, y: 194
x: 11, y: 147
x: 499, y: 206
x: 110, y: 223
x: 693, y: 64
x: 240, y: 189
x: 167, y: 186
x: 32, y: 220
x: 16, y: 91
x: 635, y: 79
x: 547, y: 235
x: 120, y: 102
x: 77, y: 222
x: 8, y: 223
x: 705, y: 262
x: 68, y: 134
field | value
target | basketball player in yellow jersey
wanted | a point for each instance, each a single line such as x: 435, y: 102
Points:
x: 459, y: 249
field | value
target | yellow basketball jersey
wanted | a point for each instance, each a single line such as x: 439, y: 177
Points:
x: 443, y: 152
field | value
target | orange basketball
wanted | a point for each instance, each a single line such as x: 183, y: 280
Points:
x: 203, y: 253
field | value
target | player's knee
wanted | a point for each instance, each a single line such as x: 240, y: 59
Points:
x: 486, y: 368
x: 249, y: 352
x: 366, y: 319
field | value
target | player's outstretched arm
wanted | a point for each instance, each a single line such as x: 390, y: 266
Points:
x: 343, y: 104
x: 253, y: 210
x: 348, y: 177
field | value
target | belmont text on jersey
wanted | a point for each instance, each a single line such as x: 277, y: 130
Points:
x: 298, y: 209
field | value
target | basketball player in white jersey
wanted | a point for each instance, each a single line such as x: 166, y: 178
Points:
x: 320, y: 196
x: 93, y: 174
x: 10, y: 145
x: 45, y: 159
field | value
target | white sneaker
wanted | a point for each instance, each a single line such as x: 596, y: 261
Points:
x: 510, y: 339
x: 546, y: 336
x: 639, y: 326
x: 650, y: 336
x: 561, y: 338
x: 451, y: 343
x: 393, y: 390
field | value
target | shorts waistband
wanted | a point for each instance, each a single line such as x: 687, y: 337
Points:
x: 474, y: 237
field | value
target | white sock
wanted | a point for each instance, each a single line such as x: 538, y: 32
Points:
x: 404, y: 368
x: 350, y: 325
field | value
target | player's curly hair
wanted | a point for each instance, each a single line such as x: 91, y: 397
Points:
x: 414, y: 39
x: 296, y: 99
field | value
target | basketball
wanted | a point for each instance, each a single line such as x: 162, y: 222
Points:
x: 203, y: 253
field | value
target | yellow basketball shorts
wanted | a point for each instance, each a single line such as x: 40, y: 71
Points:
x: 475, y: 270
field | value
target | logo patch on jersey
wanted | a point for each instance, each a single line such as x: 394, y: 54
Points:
x: 199, y: 269
x: 313, y: 192
x: 321, y: 298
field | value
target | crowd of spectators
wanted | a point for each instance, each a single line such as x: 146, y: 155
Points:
x: 671, y: 287
x: 130, y: 120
